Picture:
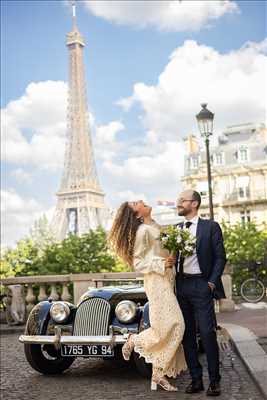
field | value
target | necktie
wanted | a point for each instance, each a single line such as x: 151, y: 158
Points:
x: 188, y: 224
x: 181, y: 263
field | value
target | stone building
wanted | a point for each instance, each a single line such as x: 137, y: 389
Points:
x: 239, y: 174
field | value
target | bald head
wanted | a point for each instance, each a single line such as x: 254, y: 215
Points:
x: 188, y: 193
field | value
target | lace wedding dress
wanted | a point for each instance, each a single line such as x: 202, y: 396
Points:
x: 161, y: 343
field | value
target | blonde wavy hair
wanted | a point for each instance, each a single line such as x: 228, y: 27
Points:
x: 123, y: 232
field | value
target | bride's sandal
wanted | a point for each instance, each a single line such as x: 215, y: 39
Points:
x: 128, y: 347
x: 162, y: 382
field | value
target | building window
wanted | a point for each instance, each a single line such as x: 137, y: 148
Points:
x: 243, y: 192
x: 194, y: 162
x: 188, y: 163
x: 203, y: 188
x: 242, y: 155
x: 245, y: 216
x: 242, y: 187
x: 218, y: 158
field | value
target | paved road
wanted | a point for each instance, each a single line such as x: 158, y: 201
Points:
x: 98, y: 380
x: 249, y: 315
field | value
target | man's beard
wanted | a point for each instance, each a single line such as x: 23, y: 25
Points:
x: 182, y: 212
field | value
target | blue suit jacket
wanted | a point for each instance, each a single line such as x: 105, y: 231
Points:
x: 211, y: 253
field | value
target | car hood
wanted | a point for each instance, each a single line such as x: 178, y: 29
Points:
x: 115, y: 294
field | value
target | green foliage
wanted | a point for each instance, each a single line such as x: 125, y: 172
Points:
x: 21, y: 261
x: 120, y: 266
x: 74, y: 254
x: 41, y: 234
x: 245, y: 244
x: 41, y: 255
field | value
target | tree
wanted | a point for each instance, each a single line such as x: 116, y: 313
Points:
x: 41, y: 234
x: 40, y: 254
x: 245, y: 244
x: 120, y: 266
x: 22, y: 260
x: 87, y: 253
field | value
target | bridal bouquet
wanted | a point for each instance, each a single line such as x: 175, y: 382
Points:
x: 174, y: 239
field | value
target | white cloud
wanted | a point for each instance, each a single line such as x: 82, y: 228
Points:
x: 152, y: 176
x: 107, y: 144
x: 233, y: 84
x: 18, y: 215
x: 106, y: 134
x: 34, y: 129
x: 34, y: 126
x: 13, y: 203
x: 151, y: 169
x: 21, y: 175
x: 129, y: 195
x: 167, y: 15
x: 33, y: 140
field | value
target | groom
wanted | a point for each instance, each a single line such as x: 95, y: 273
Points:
x: 198, y: 282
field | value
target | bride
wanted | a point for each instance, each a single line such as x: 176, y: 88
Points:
x: 134, y: 236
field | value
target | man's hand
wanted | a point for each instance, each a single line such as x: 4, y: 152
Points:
x: 170, y: 261
x: 211, y: 285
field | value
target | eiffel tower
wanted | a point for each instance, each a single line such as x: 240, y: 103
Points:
x: 80, y: 200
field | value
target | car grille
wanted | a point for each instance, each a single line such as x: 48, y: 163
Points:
x: 92, y: 318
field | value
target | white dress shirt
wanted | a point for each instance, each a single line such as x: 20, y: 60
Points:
x: 191, y: 265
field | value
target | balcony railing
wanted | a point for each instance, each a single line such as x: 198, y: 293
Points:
x: 237, y: 196
x: 244, y: 194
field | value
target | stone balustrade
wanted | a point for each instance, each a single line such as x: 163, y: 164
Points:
x: 57, y: 287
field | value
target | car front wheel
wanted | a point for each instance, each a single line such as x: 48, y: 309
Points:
x: 46, y: 359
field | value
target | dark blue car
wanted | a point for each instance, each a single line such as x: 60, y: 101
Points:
x: 58, y: 332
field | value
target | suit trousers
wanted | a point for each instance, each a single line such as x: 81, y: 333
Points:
x: 196, y: 301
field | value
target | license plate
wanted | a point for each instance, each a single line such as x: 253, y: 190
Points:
x: 87, y: 350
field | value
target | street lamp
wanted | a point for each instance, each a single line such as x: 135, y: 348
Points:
x: 205, y: 125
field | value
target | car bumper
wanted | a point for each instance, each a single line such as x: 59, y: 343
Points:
x: 57, y: 340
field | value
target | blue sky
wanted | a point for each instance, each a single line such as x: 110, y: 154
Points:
x: 117, y: 56
x: 128, y: 60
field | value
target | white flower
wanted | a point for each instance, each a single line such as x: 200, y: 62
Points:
x: 191, y: 242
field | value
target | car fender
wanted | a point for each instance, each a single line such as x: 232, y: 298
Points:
x: 38, y: 319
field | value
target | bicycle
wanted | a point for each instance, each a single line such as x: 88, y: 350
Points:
x: 253, y: 289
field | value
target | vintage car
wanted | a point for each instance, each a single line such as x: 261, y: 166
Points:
x: 57, y: 332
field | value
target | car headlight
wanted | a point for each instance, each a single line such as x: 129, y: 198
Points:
x: 59, y: 311
x: 125, y: 311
